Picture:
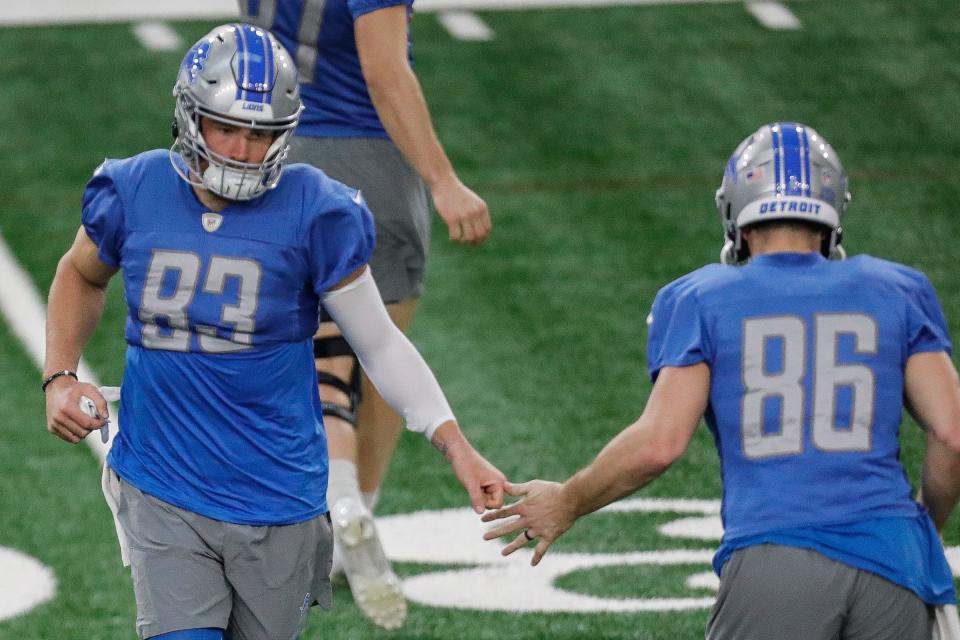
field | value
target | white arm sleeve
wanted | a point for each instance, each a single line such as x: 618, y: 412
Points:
x: 392, y: 363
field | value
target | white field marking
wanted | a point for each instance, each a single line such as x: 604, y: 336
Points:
x: 661, y: 505
x: 706, y: 528
x: 25, y: 312
x: 774, y: 15
x: 705, y: 580
x: 493, y: 582
x: 25, y: 583
x: 953, y: 557
x: 39, y: 12
x: 157, y: 36
x: 520, y: 588
x: 508, y: 583
x: 465, y: 25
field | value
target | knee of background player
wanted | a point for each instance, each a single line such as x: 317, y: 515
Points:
x: 338, y: 372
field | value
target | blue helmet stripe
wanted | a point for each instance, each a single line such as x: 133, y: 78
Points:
x: 807, y: 179
x: 269, y: 71
x: 777, y: 154
x: 255, y: 68
x: 792, y: 162
x: 242, y: 75
x: 258, y: 73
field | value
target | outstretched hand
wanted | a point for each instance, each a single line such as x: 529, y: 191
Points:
x: 544, y: 515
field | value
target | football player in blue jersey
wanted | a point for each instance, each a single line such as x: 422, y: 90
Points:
x: 217, y: 479
x: 366, y: 124
x: 801, y: 367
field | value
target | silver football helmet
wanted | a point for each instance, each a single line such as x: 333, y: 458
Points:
x: 783, y: 171
x: 241, y: 75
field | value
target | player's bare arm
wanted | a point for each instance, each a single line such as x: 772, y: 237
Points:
x: 407, y: 384
x: 932, y: 391
x: 634, y: 458
x: 382, y: 45
x: 77, y: 297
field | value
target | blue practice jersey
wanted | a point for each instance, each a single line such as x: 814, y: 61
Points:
x: 807, y: 359
x: 319, y: 34
x: 219, y: 410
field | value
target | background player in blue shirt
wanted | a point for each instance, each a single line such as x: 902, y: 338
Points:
x: 801, y: 367
x: 366, y: 124
x: 218, y: 475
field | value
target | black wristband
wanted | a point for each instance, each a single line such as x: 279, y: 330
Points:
x: 54, y: 376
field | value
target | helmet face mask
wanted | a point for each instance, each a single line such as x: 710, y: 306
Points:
x: 783, y: 171
x: 240, y: 75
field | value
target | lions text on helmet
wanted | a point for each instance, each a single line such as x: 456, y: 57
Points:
x: 783, y: 171
x: 237, y: 104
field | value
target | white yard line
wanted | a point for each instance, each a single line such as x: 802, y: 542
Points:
x: 76, y: 11
x: 39, y: 12
x: 25, y: 312
x: 157, y: 36
x: 774, y: 15
x: 465, y: 25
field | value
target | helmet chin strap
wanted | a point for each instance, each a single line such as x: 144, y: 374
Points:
x: 834, y: 250
x: 728, y: 254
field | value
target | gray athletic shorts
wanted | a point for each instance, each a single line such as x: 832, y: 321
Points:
x: 191, y: 572
x: 395, y: 194
x: 777, y: 592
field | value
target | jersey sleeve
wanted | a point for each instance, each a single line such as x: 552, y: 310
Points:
x: 927, y: 326
x: 677, y: 330
x: 358, y: 8
x: 341, y: 239
x: 102, y: 215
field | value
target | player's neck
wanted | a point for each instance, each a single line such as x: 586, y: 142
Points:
x: 783, y: 241
x: 210, y: 200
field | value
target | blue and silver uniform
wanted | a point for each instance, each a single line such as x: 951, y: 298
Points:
x: 807, y: 359
x: 219, y: 412
x: 320, y: 35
